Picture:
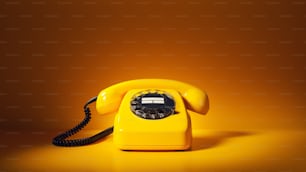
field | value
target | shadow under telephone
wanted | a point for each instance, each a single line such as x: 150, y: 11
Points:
x: 151, y: 115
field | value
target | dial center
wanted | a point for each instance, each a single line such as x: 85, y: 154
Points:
x: 152, y: 104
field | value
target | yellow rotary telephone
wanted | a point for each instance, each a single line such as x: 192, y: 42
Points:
x: 151, y: 115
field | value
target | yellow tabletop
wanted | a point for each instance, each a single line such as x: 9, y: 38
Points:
x: 213, y: 150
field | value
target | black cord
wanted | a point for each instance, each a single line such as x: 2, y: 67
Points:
x: 61, y: 139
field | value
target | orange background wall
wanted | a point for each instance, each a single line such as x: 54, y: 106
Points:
x: 249, y: 56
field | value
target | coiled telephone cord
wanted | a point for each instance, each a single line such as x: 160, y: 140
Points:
x: 61, y: 139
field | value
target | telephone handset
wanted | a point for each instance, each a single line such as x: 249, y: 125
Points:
x: 150, y: 115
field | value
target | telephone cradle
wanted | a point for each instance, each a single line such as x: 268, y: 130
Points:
x: 151, y: 114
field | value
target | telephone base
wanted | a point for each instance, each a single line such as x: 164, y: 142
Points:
x: 132, y: 132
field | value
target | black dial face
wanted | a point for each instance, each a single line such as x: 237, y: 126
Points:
x: 152, y: 104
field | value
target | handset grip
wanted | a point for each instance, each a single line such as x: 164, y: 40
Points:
x: 110, y: 98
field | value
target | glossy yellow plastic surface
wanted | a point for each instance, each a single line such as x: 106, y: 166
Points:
x: 110, y: 98
x: 135, y: 133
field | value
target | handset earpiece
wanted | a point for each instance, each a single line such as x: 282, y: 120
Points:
x: 196, y: 100
x: 109, y: 100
